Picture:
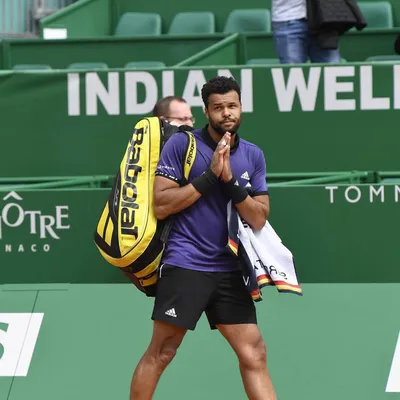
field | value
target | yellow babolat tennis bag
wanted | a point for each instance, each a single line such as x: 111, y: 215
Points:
x: 128, y: 234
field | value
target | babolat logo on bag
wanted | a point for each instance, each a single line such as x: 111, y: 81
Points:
x: 128, y: 234
x: 129, y: 190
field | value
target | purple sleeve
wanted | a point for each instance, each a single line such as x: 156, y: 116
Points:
x: 259, y: 178
x: 172, y: 156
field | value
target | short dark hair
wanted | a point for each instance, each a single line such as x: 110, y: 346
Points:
x: 219, y: 85
x: 162, y: 106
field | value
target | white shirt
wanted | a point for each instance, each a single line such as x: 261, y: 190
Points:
x: 287, y: 10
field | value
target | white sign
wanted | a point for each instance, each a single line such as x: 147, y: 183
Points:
x: 393, y: 384
x: 18, y: 341
x: 108, y: 96
x: 14, y: 215
x: 372, y: 193
x: 333, y: 81
x: 55, y: 33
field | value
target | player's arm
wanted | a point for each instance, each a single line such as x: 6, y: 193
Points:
x: 254, y: 210
x: 169, y: 196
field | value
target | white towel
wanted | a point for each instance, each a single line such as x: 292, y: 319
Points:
x: 268, y: 261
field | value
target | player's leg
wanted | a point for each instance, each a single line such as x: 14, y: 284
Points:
x: 162, y: 349
x: 248, y: 344
x: 181, y: 297
x: 233, y: 313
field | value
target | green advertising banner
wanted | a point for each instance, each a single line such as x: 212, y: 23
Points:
x: 81, y: 342
x: 332, y: 118
x: 337, y: 234
x: 47, y: 236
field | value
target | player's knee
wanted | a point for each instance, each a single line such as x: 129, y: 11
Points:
x: 254, y: 356
x: 166, y: 355
x: 163, y: 354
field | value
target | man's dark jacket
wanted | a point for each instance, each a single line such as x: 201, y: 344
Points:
x: 397, y: 45
x: 329, y: 19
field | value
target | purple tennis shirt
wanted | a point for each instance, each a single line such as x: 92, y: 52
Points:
x: 199, y: 235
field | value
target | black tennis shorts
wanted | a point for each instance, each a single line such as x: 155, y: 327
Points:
x: 182, y: 295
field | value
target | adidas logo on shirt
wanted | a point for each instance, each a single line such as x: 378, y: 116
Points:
x: 171, y: 313
x: 246, y: 176
x: 248, y: 185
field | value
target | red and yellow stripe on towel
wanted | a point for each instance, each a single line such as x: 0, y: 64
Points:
x: 282, y: 286
x: 233, y: 246
x: 256, y: 295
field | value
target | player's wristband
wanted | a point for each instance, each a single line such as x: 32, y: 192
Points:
x: 205, y: 182
x: 236, y: 193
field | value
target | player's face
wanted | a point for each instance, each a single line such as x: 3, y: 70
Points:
x: 224, y: 112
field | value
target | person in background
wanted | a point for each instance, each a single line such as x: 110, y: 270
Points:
x: 397, y: 45
x: 293, y: 43
x: 175, y: 110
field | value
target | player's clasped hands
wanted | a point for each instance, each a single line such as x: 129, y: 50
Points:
x: 223, y: 148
